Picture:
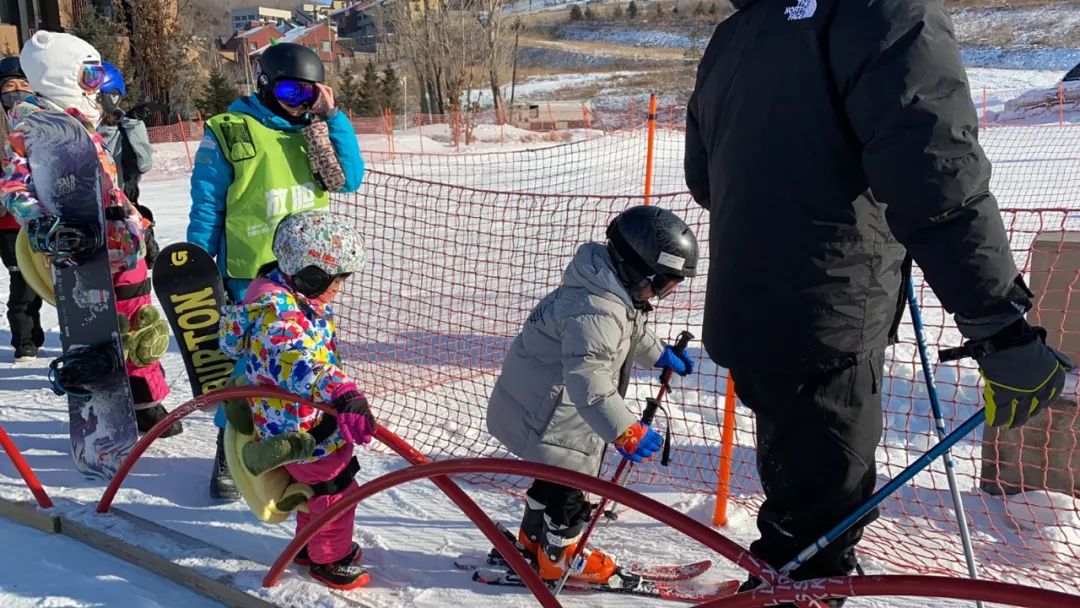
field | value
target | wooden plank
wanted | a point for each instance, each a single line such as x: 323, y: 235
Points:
x: 27, y: 514
x: 219, y: 588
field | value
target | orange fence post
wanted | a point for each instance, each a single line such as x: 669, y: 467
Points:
x: 651, y: 147
x: 985, y: 98
x: 420, y: 129
x: 727, y: 447
x: 187, y: 148
x: 551, y: 117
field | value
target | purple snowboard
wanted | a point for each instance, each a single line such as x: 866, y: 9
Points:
x: 67, y: 181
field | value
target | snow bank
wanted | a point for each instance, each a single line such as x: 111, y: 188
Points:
x: 1046, y: 105
x: 634, y: 37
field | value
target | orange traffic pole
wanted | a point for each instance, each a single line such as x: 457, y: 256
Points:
x: 727, y: 446
x: 651, y: 148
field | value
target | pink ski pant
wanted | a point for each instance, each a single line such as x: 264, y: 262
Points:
x: 148, y: 383
x: 334, y: 541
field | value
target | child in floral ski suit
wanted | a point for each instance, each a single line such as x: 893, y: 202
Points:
x: 284, y: 334
x: 65, y: 73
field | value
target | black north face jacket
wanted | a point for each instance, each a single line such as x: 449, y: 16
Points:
x: 829, y: 140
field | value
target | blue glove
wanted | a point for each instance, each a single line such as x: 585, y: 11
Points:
x: 678, y: 361
x: 639, y: 442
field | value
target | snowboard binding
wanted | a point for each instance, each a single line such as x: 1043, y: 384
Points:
x: 68, y: 244
x: 76, y: 371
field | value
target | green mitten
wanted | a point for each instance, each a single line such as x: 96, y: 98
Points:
x: 238, y: 413
x: 273, y: 452
x: 147, y: 339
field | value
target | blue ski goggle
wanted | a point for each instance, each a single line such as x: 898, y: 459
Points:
x: 295, y: 93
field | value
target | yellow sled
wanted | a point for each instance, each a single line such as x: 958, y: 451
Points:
x: 35, y: 268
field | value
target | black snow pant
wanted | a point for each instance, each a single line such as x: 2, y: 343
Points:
x: 565, y: 506
x: 23, y: 304
x: 816, y: 441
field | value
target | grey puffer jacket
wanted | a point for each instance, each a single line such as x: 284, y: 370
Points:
x: 140, y: 159
x: 559, y: 398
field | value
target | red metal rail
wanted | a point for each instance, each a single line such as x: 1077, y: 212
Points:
x: 24, y: 470
x: 456, y: 494
x: 903, y: 585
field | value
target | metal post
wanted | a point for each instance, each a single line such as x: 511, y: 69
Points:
x: 895, y: 484
x: 405, y: 100
x: 939, y: 423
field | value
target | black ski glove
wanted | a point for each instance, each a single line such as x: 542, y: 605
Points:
x: 355, y: 420
x: 1022, y: 375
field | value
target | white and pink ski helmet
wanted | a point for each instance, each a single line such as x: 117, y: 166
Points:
x: 321, y: 240
x: 54, y: 64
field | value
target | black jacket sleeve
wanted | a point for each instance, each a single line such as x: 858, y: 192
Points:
x: 696, y: 162
x: 900, y: 77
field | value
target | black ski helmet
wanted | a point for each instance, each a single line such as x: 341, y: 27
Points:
x: 10, y: 68
x: 651, y: 245
x: 288, y: 60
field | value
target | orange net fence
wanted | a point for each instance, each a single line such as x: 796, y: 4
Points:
x: 463, y: 245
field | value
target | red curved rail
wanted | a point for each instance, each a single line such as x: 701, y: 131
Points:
x: 662, y: 513
x: 457, y: 495
x: 900, y: 585
x: 25, y: 471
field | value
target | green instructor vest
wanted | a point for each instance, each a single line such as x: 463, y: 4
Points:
x: 271, y: 179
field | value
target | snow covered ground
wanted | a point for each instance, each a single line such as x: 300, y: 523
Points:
x: 410, y: 534
x: 39, y: 569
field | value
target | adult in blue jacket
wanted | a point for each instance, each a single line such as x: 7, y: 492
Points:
x: 277, y: 152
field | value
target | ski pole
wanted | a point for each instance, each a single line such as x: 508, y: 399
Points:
x: 895, y: 484
x: 651, y: 405
x: 939, y: 423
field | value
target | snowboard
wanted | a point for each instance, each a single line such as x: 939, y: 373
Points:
x: 189, y: 287
x: 68, y: 182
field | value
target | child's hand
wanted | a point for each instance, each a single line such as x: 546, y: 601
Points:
x: 639, y: 442
x: 355, y: 421
x: 677, y: 360
x: 325, y: 103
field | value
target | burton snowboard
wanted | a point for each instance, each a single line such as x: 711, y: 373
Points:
x: 91, y: 372
x: 189, y: 286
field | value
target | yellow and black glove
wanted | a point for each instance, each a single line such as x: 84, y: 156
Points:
x: 1022, y: 375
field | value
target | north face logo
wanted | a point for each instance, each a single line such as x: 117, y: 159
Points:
x: 805, y: 9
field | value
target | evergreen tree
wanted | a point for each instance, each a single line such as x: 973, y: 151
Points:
x: 575, y: 13
x: 699, y: 10
x: 217, y: 96
x: 675, y: 9
x: 391, y: 89
x: 590, y: 15
x: 370, y: 97
x: 347, y: 94
x: 617, y: 12
x: 713, y: 9
x: 100, y: 31
x: 658, y: 11
x: 632, y: 10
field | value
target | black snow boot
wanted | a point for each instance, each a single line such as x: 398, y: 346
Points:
x: 147, y: 415
x: 222, y: 486
x: 343, y: 574
x: 302, y: 558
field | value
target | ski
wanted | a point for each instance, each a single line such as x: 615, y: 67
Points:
x: 665, y: 573
x: 643, y: 587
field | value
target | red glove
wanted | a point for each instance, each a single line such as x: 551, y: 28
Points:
x: 639, y: 442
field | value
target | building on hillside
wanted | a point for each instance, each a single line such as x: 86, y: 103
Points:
x: 242, y: 18
x: 308, y: 13
x: 321, y: 38
x: 236, y: 52
x: 356, y: 24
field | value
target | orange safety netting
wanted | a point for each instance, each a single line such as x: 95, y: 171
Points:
x: 463, y: 245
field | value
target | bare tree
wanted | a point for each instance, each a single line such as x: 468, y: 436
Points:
x: 444, y: 42
x: 162, y: 51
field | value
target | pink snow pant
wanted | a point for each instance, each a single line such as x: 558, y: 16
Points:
x: 148, y: 385
x: 334, y: 541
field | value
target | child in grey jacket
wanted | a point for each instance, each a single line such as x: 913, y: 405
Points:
x: 560, y: 396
